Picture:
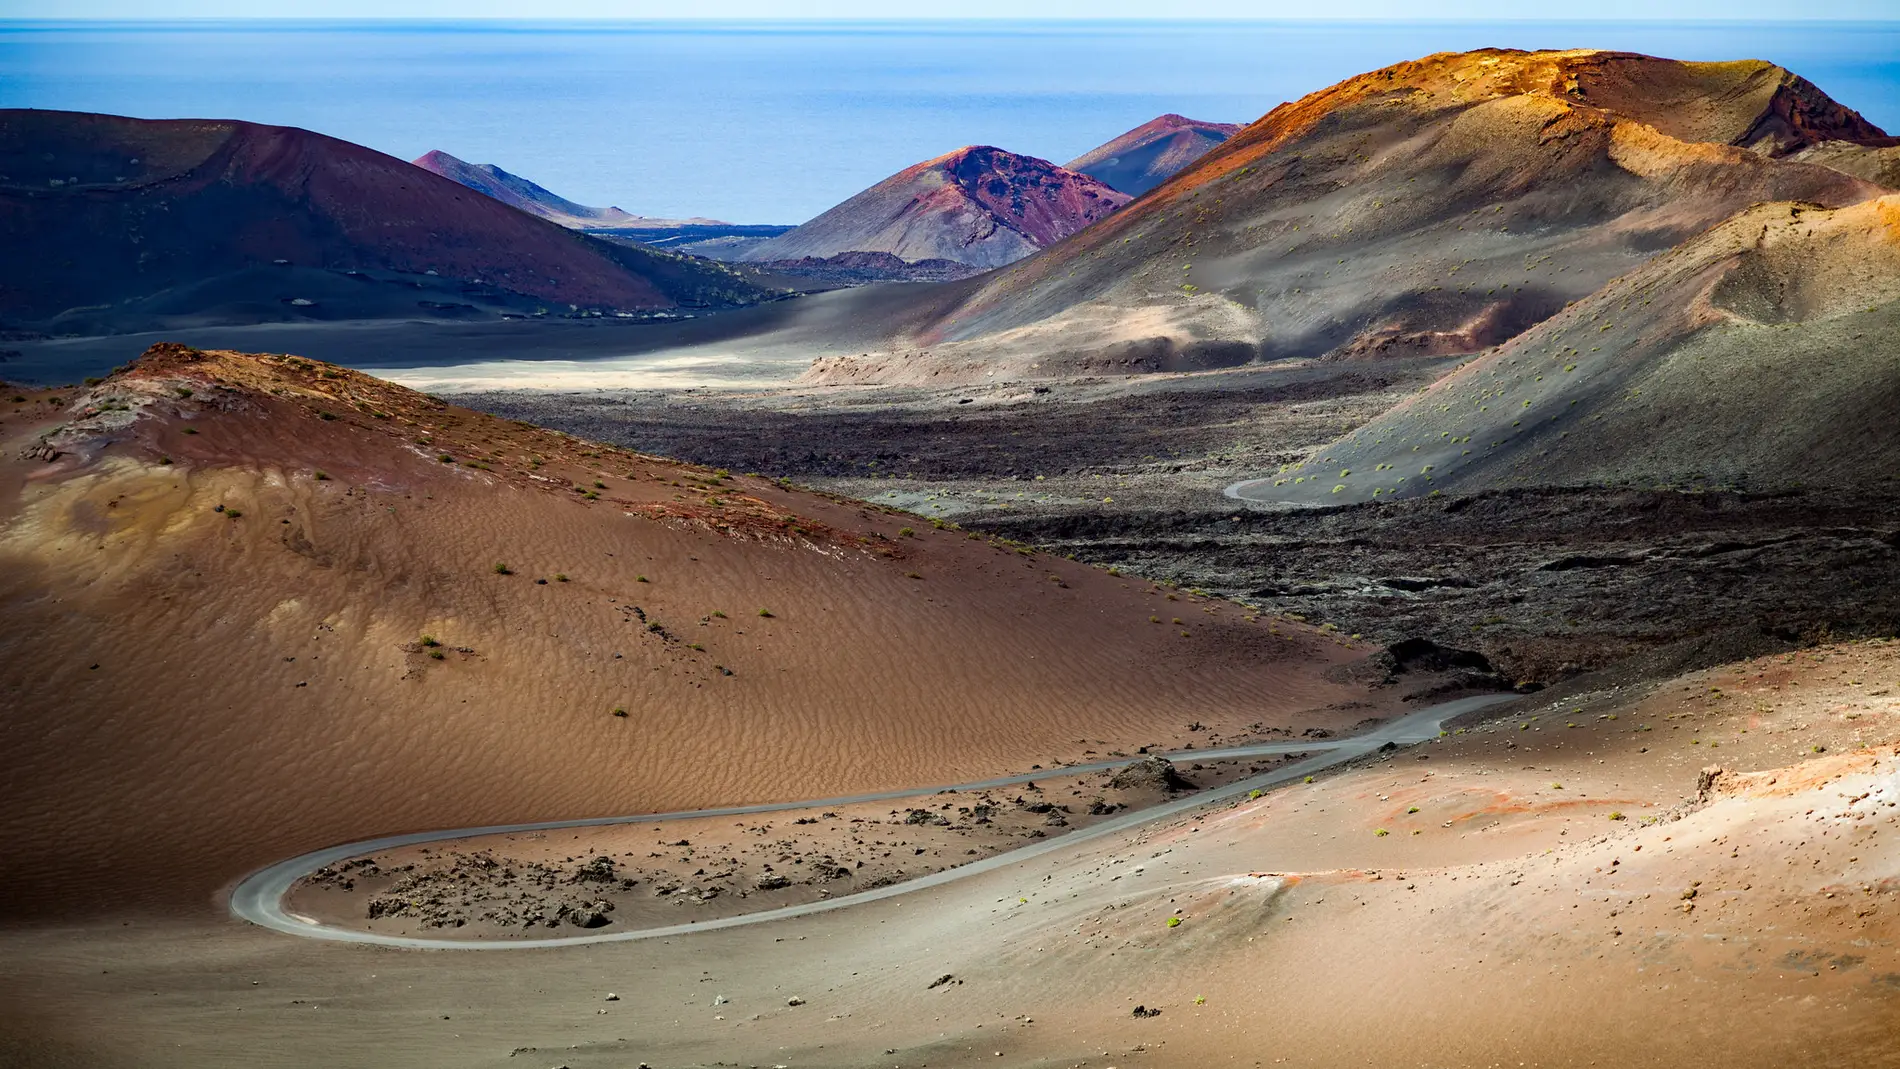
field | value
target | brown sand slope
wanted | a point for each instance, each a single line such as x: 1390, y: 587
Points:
x: 1151, y: 153
x: 101, y: 210
x: 978, y: 205
x: 1437, y: 206
x: 217, y: 593
x: 1763, y: 355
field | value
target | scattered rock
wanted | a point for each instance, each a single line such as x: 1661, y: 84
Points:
x: 1153, y: 773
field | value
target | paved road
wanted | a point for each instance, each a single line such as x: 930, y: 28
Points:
x: 260, y: 897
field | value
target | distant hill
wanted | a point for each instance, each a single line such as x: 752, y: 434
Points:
x: 1434, y: 207
x: 114, y: 223
x: 518, y: 192
x: 979, y: 205
x: 1151, y: 153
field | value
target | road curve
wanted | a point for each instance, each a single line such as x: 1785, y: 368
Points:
x: 259, y: 897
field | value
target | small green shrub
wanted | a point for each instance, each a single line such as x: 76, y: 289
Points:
x: 322, y: 477
x: 503, y: 569
x: 767, y: 613
x: 1174, y: 922
x: 620, y: 712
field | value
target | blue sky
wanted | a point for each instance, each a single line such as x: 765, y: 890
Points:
x: 884, y: 9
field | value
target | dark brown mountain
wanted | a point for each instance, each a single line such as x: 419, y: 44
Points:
x: 979, y: 206
x: 111, y: 221
x: 1151, y: 153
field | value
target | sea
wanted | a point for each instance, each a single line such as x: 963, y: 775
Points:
x: 773, y: 122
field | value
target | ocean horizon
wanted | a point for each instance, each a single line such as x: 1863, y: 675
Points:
x: 773, y: 122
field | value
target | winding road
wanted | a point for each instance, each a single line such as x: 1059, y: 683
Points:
x: 259, y: 897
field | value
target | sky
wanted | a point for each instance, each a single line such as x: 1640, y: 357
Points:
x: 1411, y: 10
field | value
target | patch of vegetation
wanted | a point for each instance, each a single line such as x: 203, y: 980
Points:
x: 503, y: 569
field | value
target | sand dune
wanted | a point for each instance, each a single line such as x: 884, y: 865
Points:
x: 219, y: 591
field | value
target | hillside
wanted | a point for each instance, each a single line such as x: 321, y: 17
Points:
x: 1434, y: 207
x: 117, y: 224
x: 259, y: 604
x: 1763, y: 355
x: 518, y: 192
x: 979, y: 206
x: 1151, y: 153
x: 1878, y: 162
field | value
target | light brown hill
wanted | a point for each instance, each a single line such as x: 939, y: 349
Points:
x: 1762, y: 355
x: 1877, y: 163
x: 1432, y: 207
x: 217, y: 593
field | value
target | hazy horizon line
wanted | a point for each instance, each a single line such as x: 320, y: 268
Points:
x: 941, y: 20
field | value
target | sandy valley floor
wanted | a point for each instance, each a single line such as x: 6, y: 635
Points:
x: 1557, y: 874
